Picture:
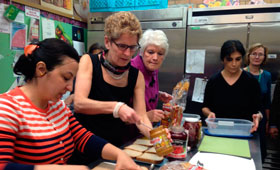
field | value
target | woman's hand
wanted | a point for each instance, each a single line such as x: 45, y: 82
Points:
x: 256, y: 120
x: 125, y: 162
x: 164, y: 97
x: 155, y: 115
x: 168, y: 135
x: 211, y: 115
x: 127, y: 114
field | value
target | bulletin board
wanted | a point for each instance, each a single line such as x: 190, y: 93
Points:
x: 6, y: 61
x: 7, y: 77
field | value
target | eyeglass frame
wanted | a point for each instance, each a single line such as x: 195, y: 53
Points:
x: 124, y: 47
x: 257, y: 54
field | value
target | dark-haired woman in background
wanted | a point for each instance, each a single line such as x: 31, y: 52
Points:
x: 232, y: 92
x: 36, y: 127
x: 96, y: 48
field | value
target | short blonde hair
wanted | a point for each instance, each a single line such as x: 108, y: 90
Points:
x: 254, y: 47
x: 122, y: 22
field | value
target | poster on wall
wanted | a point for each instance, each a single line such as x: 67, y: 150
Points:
x: 62, y: 35
x: 18, y: 36
x: 64, y: 6
x: 33, y: 35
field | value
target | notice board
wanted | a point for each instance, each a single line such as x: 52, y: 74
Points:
x: 7, y: 77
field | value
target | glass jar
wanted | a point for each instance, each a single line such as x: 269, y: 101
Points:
x: 160, y: 141
x: 180, y: 140
x: 193, y: 127
x: 167, y: 110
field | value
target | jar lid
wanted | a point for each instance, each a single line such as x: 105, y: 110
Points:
x: 191, y: 117
x: 177, y: 129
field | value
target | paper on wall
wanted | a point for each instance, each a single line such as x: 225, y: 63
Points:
x: 20, y: 17
x: 80, y: 47
x: 199, y: 88
x: 195, y: 61
x: 48, y: 28
x: 4, y: 24
x: 32, y: 12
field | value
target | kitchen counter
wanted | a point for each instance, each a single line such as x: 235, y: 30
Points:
x: 254, y: 145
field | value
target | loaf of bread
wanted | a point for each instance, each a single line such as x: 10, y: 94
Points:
x: 145, y: 142
x: 136, y: 147
x: 133, y: 153
x: 150, y: 158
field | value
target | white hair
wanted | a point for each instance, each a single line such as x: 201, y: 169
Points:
x: 154, y: 37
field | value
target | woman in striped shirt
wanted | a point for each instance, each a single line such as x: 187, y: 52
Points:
x: 37, y: 130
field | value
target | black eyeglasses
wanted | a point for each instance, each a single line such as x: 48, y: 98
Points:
x: 123, y: 47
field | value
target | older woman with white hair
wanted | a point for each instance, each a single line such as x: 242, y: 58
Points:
x: 154, y: 48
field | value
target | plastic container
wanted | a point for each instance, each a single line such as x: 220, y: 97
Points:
x: 224, y: 126
x: 160, y: 141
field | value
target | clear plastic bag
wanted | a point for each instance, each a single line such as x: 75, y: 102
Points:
x: 179, y: 101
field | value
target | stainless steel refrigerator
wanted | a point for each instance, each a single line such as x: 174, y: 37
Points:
x: 208, y: 28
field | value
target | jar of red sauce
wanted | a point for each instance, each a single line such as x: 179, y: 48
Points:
x: 193, y: 125
x: 180, y: 140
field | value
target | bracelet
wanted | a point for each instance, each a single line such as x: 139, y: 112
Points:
x: 116, y: 109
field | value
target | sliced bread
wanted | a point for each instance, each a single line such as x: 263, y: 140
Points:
x: 151, y: 150
x: 150, y: 158
x: 133, y: 153
x: 145, y: 142
x: 135, y: 147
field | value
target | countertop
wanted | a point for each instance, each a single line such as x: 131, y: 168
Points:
x: 254, y: 145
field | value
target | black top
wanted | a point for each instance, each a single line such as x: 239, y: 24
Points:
x: 106, y: 126
x: 240, y: 100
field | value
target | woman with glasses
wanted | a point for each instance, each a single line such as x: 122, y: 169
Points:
x: 154, y: 48
x: 232, y: 92
x: 37, y: 130
x: 255, y: 59
x: 110, y: 93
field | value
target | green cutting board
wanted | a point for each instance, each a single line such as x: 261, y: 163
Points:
x: 228, y: 146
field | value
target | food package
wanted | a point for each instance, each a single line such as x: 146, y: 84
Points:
x: 180, y: 92
x: 181, y: 165
x: 179, y: 101
x: 167, y: 109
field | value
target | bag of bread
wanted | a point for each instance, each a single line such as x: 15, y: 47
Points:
x: 167, y: 110
x: 180, y: 165
x: 179, y: 101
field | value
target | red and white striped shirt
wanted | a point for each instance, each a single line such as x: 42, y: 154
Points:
x: 30, y: 135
